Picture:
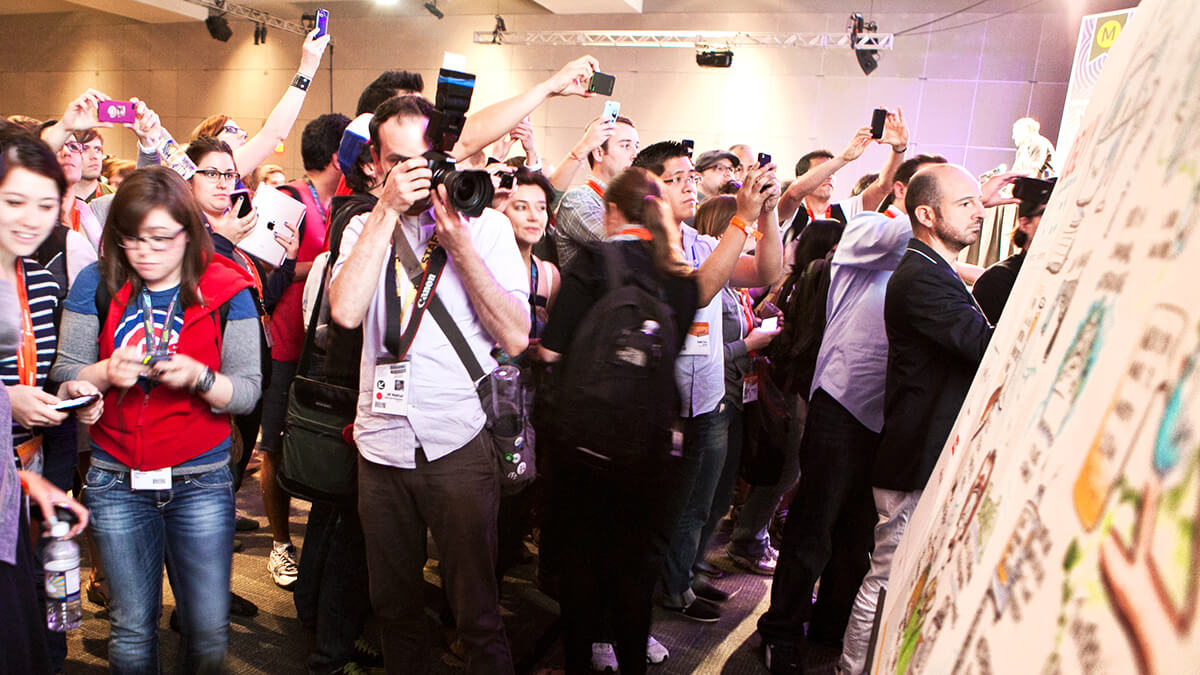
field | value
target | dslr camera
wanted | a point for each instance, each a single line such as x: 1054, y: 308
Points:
x: 469, y: 192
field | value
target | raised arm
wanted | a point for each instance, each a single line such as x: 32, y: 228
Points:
x: 597, y: 131
x: 812, y: 179
x: 895, y: 134
x: 279, y: 123
x: 717, y: 270
x: 764, y: 267
x: 488, y: 125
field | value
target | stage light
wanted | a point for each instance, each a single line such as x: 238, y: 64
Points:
x: 218, y: 28
x: 868, y: 59
x: 433, y: 9
x: 714, y: 58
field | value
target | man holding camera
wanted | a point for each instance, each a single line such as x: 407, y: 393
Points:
x: 426, y: 461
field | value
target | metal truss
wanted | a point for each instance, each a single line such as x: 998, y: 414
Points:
x: 257, y: 16
x: 683, y: 39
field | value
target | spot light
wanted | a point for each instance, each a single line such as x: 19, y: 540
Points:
x: 433, y: 9
x: 218, y: 28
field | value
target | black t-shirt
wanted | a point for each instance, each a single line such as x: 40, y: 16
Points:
x: 993, y: 286
x: 585, y: 283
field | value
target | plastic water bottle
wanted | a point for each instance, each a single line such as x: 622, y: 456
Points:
x: 64, y: 611
x: 506, y: 400
x: 170, y: 154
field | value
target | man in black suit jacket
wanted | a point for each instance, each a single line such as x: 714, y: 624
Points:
x: 936, y: 337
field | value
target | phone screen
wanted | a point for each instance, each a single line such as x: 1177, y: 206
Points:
x: 878, y: 118
x: 602, y: 83
x: 770, y: 323
x: 322, y: 22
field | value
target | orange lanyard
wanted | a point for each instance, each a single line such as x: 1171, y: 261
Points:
x: 76, y: 216
x: 595, y: 186
x: 258, y: 284
x: 811, y: 217
x: 27, y: 354
x: 747, y: 308
x: 635, y: 232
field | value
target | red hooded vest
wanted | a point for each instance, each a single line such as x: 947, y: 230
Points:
x: 166, y: 426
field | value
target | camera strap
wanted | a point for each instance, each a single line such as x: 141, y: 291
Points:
x: 431, y: 302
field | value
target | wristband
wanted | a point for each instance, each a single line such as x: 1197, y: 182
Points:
x: 533, y: 168
x: 205, y: 382
x: 576, y: 157
x: 24, y: 484
x: 744, y: 227
x: 301, y: 81
x: 901, y: 151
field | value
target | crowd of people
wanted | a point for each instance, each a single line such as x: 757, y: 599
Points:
x: 125, y: 285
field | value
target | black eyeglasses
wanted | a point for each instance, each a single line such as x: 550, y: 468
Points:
x: 216, y: 176
x: 156, y: 243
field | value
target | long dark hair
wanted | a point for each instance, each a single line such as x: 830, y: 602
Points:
x: 142, y: 192
x: 637, y: 194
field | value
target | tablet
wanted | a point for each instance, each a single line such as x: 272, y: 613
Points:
x: 274, y: 209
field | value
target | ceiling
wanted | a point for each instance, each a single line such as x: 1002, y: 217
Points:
x: 141, y: 9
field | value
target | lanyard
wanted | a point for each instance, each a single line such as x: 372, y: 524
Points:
x: 76, y: 216
x: 27, y: 354
x: 633, y: 233
x: 418, y: 297
x: 258, y: 283
x: 159, y: 345
x: 595, y: 186
x: 317, y: 200
x: 747, y: 309
x: 811, y: 217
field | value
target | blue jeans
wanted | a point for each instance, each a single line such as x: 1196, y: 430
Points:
x: 705, y: 440
x: 190, y: 526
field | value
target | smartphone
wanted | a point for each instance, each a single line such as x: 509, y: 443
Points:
x: 689, y: 144
x: 770, y: 323
x: 763, y: 159
x: 322, y: 22
x: 117, y: 112
x: 878, y: 118
x: 1033, y: 190
x: 508, y: 180
x: 81, y: 402
x: 602, y: 83
x: 611, y: 110
x: 246, y: 205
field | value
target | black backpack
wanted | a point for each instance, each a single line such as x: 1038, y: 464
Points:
x: 616, y: 398
x: 793, y: 353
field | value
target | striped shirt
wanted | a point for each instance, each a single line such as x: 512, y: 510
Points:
x: 42, y: 291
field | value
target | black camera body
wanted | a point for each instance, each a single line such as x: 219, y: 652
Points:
x: 469, y: 192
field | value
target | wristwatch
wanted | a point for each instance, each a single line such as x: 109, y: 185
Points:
x: 205, y: 382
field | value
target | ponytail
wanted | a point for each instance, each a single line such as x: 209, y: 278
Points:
x: 637, y: 194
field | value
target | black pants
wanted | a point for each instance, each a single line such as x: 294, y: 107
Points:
x: 331, y: 594
x: 456, y: 498
x: 829, y: 530
x: 610, y: 560
x: 23, y: 636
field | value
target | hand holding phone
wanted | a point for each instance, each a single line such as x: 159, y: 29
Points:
x: 75, y: 403
x: 878, y: 119
x: 602, y: 83
x: 116, y: 112
x: 763, y: 159
x: 770, y: 323
x: 322, y: 22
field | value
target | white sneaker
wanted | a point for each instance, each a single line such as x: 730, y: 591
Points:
x: 282, y: 566
x: 655, y: 651
x: 604, y: 659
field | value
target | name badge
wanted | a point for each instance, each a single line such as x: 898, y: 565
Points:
x: 392, y: 380
x: 151, y: 480
x: 750, y: 388
x: 696, y: 343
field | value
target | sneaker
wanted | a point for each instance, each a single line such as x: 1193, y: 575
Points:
x: 351, y: 668
x: 707, y: 591
x: 604, y: 658
x: 239, y: 606
x: 282, y: 566
x: 763, y: 564
x: 781, y: 659
x: 708, y: 569
x: 700, y: 610
x: 366, y: 655
x: 97, y: 592
x: 655, y: 651
x: 243, y: 524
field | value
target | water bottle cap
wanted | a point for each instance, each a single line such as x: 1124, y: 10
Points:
x: 59, y: 529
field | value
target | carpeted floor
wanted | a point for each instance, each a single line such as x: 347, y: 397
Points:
x: 275, y: 642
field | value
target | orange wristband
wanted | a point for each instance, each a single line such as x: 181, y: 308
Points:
x: 744, y: 227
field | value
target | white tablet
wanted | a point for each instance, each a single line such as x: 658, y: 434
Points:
x: 274, y: 209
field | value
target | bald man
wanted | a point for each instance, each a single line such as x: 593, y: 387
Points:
x: 937, y: 336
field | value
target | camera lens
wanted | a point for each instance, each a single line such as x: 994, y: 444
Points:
x: 470, y: 192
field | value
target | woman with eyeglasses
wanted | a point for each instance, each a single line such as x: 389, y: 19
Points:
x: 252, y: 151
x: 174, y: 351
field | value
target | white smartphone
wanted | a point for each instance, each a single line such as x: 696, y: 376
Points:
x: 611, y: 110
x: 770, y: 323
